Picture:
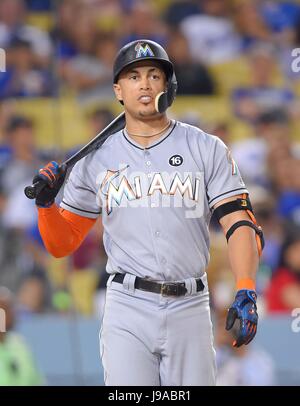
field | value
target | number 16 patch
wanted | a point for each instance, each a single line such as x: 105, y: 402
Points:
x: 176, y: 160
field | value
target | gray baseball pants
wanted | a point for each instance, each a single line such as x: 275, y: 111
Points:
x: 150, y: 340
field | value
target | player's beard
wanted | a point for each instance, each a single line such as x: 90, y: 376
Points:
x: 144, y: 113
x: 147, y: 114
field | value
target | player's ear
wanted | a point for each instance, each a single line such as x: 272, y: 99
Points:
x: 118, y: 91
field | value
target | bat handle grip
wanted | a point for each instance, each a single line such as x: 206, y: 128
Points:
x: 32, y: 191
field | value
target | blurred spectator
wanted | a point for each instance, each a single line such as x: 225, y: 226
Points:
x: 72, y: 39
x: 85, y: 30
x: 211, y: 35
x: 35, y: 250
x: 191, y: 117
x: 178, y: 10
x: 281, y: 18
x: 91, y: 73
x: 19, y: 212
x: 271, y: 21
x: 23, y: 164
x: 283, y: 163
x: 287, y: 56
x: 243, y: 366
x: 221, y: 129
x: 7, y: 109
x: 250, y: 101
x: 249, y: 23
x: 39, y: 5
x: 283, y: 294
x: 5, y: 150
x: 88, y: 264
x: 99, y: 119
x: 192, y: 77
x: 22, y: 78
x: 87, y: 255
x: 142, y: 22
x: 62, y: 33
x: 251, y: 154
x: 10, y: 247
x: 285, y: 176
x: 264, y: 206
x: 109, y: 14
x: 12, y: 24
x: 17, y: 367
x: 32, y: 295
x: 62, y: 302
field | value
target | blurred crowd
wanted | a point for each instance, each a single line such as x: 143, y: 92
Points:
x: 236, y: 51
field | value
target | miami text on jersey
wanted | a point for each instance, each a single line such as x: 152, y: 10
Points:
x: 114, y: 186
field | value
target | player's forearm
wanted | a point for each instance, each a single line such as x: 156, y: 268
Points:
x: 62, y: 234
x: 56, y: 232
x: 243, y: 257
x: 242, y: 251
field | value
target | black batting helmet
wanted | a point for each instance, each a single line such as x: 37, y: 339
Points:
x: 148, y: 50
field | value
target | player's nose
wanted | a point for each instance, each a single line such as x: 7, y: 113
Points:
x: 145, y: 83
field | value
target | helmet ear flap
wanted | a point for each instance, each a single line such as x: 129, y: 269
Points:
x: 161, y: 102
x: 164, y: 99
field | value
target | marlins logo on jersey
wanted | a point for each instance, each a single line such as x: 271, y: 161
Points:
x: 143, y: 50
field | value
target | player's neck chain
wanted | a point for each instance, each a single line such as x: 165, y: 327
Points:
x: 152, y: 135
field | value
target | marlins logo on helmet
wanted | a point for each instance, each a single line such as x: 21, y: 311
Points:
x: 143, y: 50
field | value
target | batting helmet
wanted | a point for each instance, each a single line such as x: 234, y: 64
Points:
x: 148, y: 50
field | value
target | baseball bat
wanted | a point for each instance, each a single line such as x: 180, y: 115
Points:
x: 116, y: 125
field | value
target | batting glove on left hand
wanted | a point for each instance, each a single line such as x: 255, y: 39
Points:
x: 244, y: 309
x: 54, y: 175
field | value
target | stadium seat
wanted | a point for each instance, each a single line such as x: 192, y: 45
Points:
x: 43, y: 21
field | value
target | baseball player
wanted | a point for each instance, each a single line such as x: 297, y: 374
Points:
x: 156, y: 185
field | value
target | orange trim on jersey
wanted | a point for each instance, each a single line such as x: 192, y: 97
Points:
x: 246, y: 283
x: 61, y: 230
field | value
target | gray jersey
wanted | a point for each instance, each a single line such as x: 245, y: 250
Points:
x: 155, y: 202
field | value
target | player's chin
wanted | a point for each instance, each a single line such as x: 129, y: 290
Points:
x: 147, y: 110
x: 147, y: 114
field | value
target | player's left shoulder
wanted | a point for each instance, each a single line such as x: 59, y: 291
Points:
x: 197, y: 134
x: 189, y: 128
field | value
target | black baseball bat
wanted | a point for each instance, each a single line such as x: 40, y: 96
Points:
x: 116, y: 125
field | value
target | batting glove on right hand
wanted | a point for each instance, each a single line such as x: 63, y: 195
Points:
x: 54, y: 175
x: 244, y: 309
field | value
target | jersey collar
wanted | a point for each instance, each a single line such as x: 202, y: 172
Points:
x: 163, y: 137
